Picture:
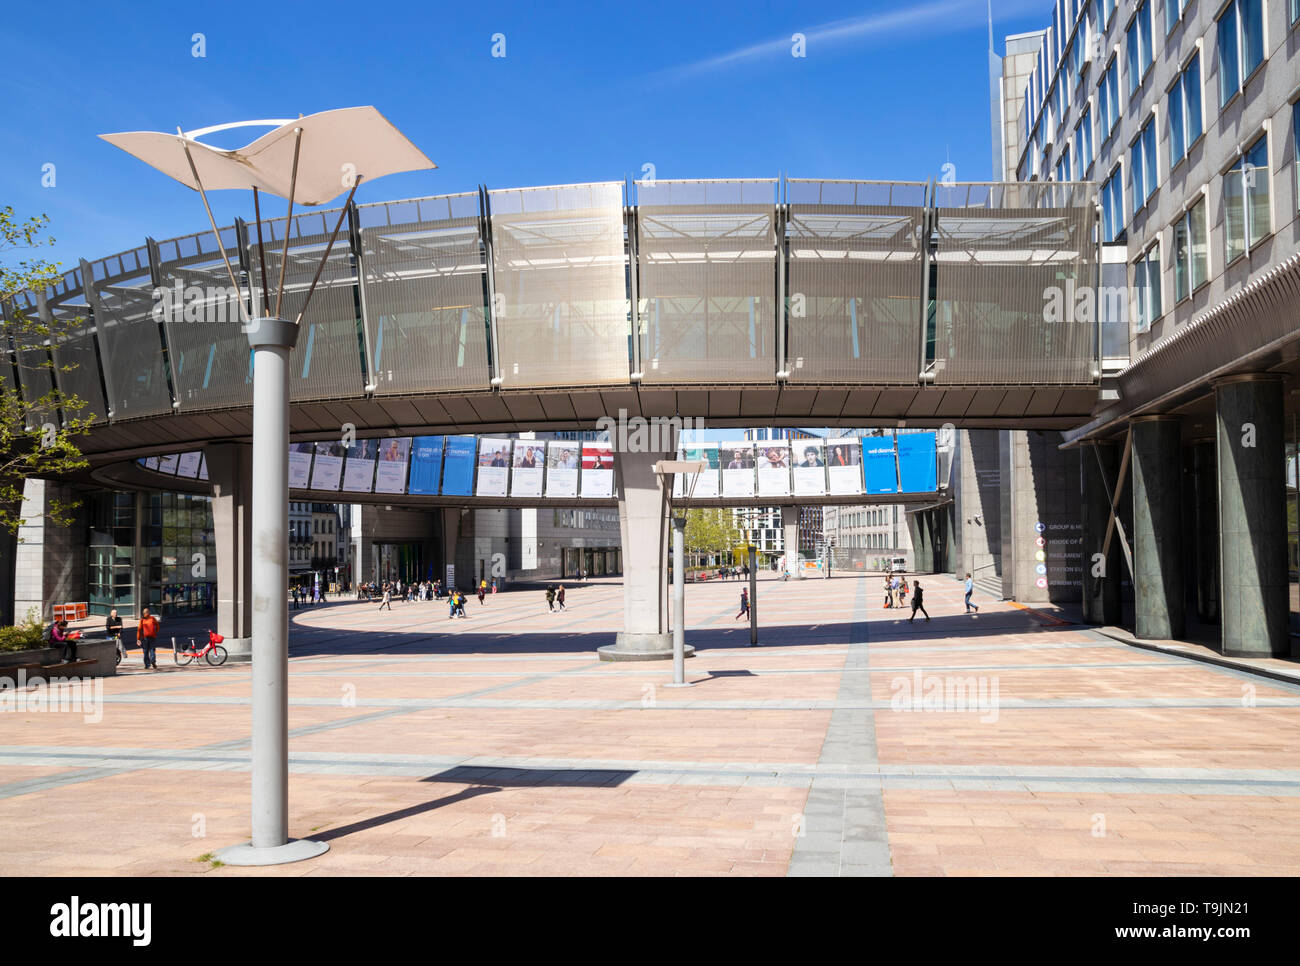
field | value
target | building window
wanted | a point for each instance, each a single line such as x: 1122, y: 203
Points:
x: 1108, y: 100
x: 1173, y: 13
x: 1112, y: 206
x: 1063, y: 166
x: 1146, y: 289
x: 1191, y: 251
x: 1143, y: 158
x: 1185, y: 119
x: 1083, y: 141
x: 1139, y: 47
x: 1105, y: 10
x: 1246, y: 215
x: 1295, y: 134
x: 1241, y: 45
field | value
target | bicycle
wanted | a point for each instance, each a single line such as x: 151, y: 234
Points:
x: 212, y: 652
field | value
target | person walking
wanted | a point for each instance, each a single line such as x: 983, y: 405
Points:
x: 451, y: 605
x: 970, y: 589
x: 550, y: 598
x: 388, y: 599
x: 147, y: 636
x: 917, y: 599
x: 744, y: 604
x: 113, y: 628
x: 559, y: 597
x: 460, y: 604
x: 889, y: 600
x: 482, y: 591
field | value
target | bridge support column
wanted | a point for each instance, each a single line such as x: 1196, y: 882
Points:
x: 1252, y: 516
x: 1098, y: 469
x: 450, y: 535
x: 922, y: 535
x: 230, y: 468
x: 1205, y: 530
x: 643, y: 524
x: 790, y: 526
x: 1158, y: 600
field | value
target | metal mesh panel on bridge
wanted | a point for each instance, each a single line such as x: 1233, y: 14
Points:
x: 706, y: 258
x: 425, y: 291
x: 135, y: 371
x: 1004, y: 254
x: 75, y: 358
x: 855, y: 281
x: 209, y: 349
x: 35, y: 377
x: 559, y: 270
x: 326, y: 363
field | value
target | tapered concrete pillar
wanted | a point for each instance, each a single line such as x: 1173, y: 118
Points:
x: 1252, y: 516
x: 923, y: 543
x: 1098, y: 470
x: 1204, y: 531
x: 450, y: 535
x: 8, y: 554
x: 643, y: 523
x: 790, y: 528
x: 230, y: 468
x: 1158, y: 599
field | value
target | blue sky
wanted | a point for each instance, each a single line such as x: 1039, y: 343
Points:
x: 887, y: 90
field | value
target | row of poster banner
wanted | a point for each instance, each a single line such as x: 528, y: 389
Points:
x: 813, y: 467
x: 440, y: 465
x: 484, y: 466
x: 192, y: 466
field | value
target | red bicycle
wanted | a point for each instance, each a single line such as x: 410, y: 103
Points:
x: 212, y: 652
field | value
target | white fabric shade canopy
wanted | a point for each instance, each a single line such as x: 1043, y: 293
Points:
x: 337, y: 148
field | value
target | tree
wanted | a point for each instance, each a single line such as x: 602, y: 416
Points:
x: 34, y: 441
x: 712, y: 530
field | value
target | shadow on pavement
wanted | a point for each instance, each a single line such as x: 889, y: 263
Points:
x: 401, y: 813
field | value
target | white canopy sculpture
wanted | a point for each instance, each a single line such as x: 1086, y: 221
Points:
x: 310, y: 160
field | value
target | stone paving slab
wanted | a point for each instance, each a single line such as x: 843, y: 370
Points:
x: 500, y: 746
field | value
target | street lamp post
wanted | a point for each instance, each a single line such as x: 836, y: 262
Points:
x: 679, y: 600
x: 753, y: 596
x: 666, y: 471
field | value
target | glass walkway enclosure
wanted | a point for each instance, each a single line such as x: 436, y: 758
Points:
x: 762, y: 286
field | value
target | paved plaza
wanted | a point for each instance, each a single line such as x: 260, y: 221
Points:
x: 1007, y: 743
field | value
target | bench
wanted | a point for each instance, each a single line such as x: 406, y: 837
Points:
x: 59, y: 670
x: 13, y: 669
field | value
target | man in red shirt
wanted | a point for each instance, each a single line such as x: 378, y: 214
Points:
x: 147, y: 635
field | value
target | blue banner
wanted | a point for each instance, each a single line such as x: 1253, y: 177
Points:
x: 426, y: 465
x: 458, y: 466
x: 878, y: 466
x: 918, y: 464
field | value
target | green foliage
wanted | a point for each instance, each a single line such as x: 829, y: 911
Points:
x: 712, y: 530
x: 27, y: 636
x: 35, y: 440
